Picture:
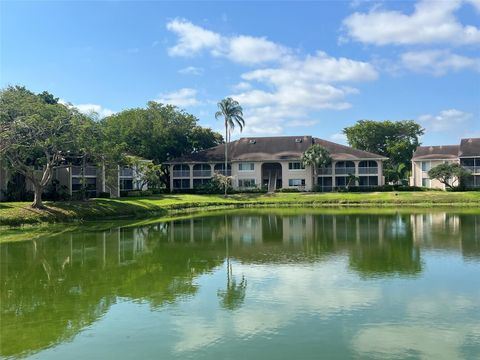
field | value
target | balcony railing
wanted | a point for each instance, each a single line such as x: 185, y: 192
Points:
x: 202, y: 173
x: 89, y: 171
x: 325, y: 171
x: 181, y: 173
x: 223, y: 172
x: 126, y: 172
x: 472, y: 169
x: 345, y: 171
x: 368, y: 170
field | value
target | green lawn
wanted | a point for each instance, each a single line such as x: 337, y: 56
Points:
x: 21, y: 213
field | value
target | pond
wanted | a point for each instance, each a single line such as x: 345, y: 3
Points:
x: 263, y: 284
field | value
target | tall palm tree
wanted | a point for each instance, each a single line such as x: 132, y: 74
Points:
x: 232, y: 114
x: 316, y: 156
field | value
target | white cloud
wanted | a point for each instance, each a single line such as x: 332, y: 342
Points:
x: 183, y: 97
x: 90, y: 109
x: 438, y: 62
x: 253, y: 50
x: 286, y: 90
x: 430, y: 22
x: 191, y: 70
x: 298, y: 86
x: 339, y: 138
x: 446, y: 120
x: 242, y: 85
x: 191, y: 38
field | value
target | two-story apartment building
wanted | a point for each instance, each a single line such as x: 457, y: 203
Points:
x: 274, y: 163
x: 426, y: 157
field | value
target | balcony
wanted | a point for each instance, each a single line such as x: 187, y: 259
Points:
x: 222, y: 172
x: 181, y: 173
x: 202, y: 173
x: 345, y: 171
x: 325, y: 171
x: 89, y: 171
x: 472, y: 169
x: 368, y: 170
x: 126, y: 172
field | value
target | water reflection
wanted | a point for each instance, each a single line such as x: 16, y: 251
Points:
x: 297, y: 266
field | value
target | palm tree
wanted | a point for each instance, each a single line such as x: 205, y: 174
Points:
x: 316, y: 156
x: 232, y: 114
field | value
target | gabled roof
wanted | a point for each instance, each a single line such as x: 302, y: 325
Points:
x: 274, y: 148
x: 469, y: 147
x: 440, y: 152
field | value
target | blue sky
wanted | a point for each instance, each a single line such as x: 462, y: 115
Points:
x: 296, y: 67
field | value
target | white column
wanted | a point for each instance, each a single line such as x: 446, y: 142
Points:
x: 171, y: 178
x: 191, y: 175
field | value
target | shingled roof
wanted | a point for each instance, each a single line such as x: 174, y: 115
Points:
x: 274, y: 148
x: 436, y: 152
x: 469, y: 147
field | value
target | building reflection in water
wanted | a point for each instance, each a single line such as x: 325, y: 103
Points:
x: 52, y: 288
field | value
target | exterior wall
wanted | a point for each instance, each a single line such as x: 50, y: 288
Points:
x: 288, y: 174
x: 63, y: 175
x: 418, y: 174
x: 256, y: 173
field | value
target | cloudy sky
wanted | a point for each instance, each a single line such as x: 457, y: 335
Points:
x: 296, y: 67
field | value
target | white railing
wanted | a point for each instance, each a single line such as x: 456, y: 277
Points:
x: 325, y: 171
x: 202, y: 173
x: 181, y: 173
x: 89, y: 171
x: 223, y: 172
x: 126, y: 172
x: 472, y: 169
x: 368, y: 170
x: 345, y: 171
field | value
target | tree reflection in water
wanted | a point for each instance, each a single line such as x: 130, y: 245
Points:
x: 52, y: 288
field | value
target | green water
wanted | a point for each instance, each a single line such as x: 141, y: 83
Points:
x: 248, y: 285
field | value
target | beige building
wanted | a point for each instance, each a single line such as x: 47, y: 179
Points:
x: 274, y: 163
x: 426, y: 157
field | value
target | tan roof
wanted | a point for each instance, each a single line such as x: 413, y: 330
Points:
x: 436, y: 152
x: 470, y: 147
x: 275, y: 148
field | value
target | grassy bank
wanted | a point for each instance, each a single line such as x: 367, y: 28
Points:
x: 12, y: 214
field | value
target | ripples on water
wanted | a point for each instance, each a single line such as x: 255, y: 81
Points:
x: 248, y: 285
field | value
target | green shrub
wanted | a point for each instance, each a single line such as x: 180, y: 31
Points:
x: 104, y: 195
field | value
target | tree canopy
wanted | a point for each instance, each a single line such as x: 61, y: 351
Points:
x: 396, y: 140
x: 158, y: 132
x: 451, y: 175
x: 37, y: 132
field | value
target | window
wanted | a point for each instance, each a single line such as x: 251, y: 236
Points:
x: 365, y: 181
x: 295, y: 166
x: 341, y: 181
x: 181, y: 183
x: 296, y: 182
x: 246, y: 183
x: 247, y: 166
x: 426, y: 182
x: 426, y: 165
x: 126, y: 184
x: 90, y: 184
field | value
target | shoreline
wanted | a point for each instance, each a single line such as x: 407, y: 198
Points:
x: 20, y: 214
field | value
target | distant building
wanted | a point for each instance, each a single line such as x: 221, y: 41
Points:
x: 274, y: 163
x: 426, y: 157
